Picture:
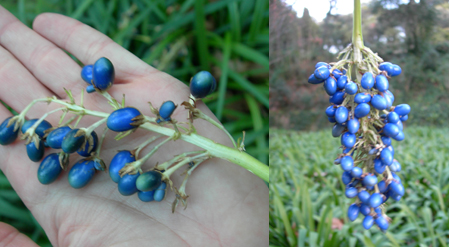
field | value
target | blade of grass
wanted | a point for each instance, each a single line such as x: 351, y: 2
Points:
x: 257, y: 20
x: 200, y: 33
x: 256, y: 117
x: 250, y: 54
x: 283, y: 214
x: 12, y: 212
x: 81, y: 9
x: 234, y: 18
x: 249, y: 87
x: 224, y: 76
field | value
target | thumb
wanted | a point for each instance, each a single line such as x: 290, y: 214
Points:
x: 9, y: 236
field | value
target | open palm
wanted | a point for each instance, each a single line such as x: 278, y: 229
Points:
x: 228, y: 206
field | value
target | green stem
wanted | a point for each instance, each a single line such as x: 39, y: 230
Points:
x: 357, y: 36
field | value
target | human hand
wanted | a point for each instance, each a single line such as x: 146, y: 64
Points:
x: 228, y: 205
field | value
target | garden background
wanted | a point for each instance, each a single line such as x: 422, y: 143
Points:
x: 229, y: 38
x: 308, y: 206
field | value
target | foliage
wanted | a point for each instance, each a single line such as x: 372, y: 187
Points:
x: 308, y: 203
x: 229, y: 38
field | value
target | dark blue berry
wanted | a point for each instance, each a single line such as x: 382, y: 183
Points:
x: 399, y: 137
x: 72, y: 143
x: 49, y: 169
x: 319, y: 64
x: 322, y: 72
x: 379, y: 167
x: 386, y: 157
x: 387, y: 67
x: 81, y: 173
x: 382, y: 186
x: 346, y: 178
x: 122, y: 119
x: 7, y: 134
x: 127, y: 184
x: 87, y: 73
x: 337, y: 98
x: 362, y: 98
x: 379, y: 102
x: 313, y: 80
x: 203, y: 84
x: 118, y: 162
x: 85, y: 151
x: 331, y: 119
x: 391, y: 130
x: 56, y: 136
x: 330, y: 111
x: 146, y: 196
x: 381, y: 83
x: 35, y: 154
x: 342, y: 81
x: 395, y: 166
x: 43, y: 126
x: 103, y: 74
x: 149, y: 181
x: 404, y: 118
x: 386, y: 140
x: 337, y: 130
x: 330, y: 86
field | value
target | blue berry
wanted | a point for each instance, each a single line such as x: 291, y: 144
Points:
x: 361, y: 110
x: 404, y: 118
x: 49, y: 169
x: 396, y: 70
x: 379, y: 167
x: 370, y: 180
x: 351, y: 192
x: 85, y: 151
x: 399, y: 137
x: 399, y: 124
x: 313, y: 80
x: 337, y: 130
x: 396, y: 177
x: 387, y: 67
x: 90, y: 89
x: 365, y: 209
x: 337, y: 73
x: 337, y: 98
x: 103, y: 74
x: 331, y: 120
x: 7, y: 134
x: 346, y: 177
x: 362, y: 98
x: 386, y: 157
x: 342, y: 81
x: 373, y: 151
x: 336, y: 161
x: 341, y: 114
x: 368, y: 222
x: 71, y: 143
x: 348, y: 140
x: 118, y: 162
x: 392, y: 117
x: 123, y: 119
x: 330, y: 111
x: 356, y: 171
x: 56, y: 136
x: 381, y: 83
x: 375, y: 200
x: 391, y: 130
x: 382, y: 223
x: 391, y: 149
x: 203, y: 84
x: 353, y: 212
x: 351, y: 88
x: 382, y: 186
x: 127, y: 184
x: 330, y: 86
x: 379, y: 102
x: 397, y: 188
x: 402, y: 109
x: 87, y: 73
x: 43, y: 126
x: 149, y: 181
x: 395, y: 166
x: 322, y: 72
x: 166, y: 110
x: 319, y: 64
x: 364, y: 196
x: 386, y: 140
x: 353, y: 125
x: 367, y: 80
x: 35, y: 154
x: 81, y: 173
x: 159, y: 193
x: 146, y: 196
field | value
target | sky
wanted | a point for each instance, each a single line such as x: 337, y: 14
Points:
x: 319, y: 8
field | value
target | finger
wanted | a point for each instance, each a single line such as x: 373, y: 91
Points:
x: 9, y: 236
x: 49, y: 64
x: 17, y: 86
x: 88, y: 44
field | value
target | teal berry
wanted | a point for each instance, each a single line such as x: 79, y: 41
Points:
x: 203, y: 84
x: 90, y: 89
x: 123, y: 119
x: 159, y: 193
x: 127, y: 184
x: 49, y: 169
x: 81, y: 173
x: 149, y: 181
x: 56, y: 136
x: 118, y: 162
x: 103, y: 74
x: 7, y: 134
x: 35, y: 153
x: 146, y: 196
x: 43, y: 126
x: 87, y: 73
x: 71, y: 142
x: 85, y: 151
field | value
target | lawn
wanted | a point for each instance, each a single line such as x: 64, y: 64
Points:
x: 308, y: 206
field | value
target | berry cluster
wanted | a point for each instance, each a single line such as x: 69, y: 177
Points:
x: 367, y: 122
x: 125, y: 167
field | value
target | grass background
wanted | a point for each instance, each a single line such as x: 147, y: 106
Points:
x: 308, y: 206
x: 228, y: 38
